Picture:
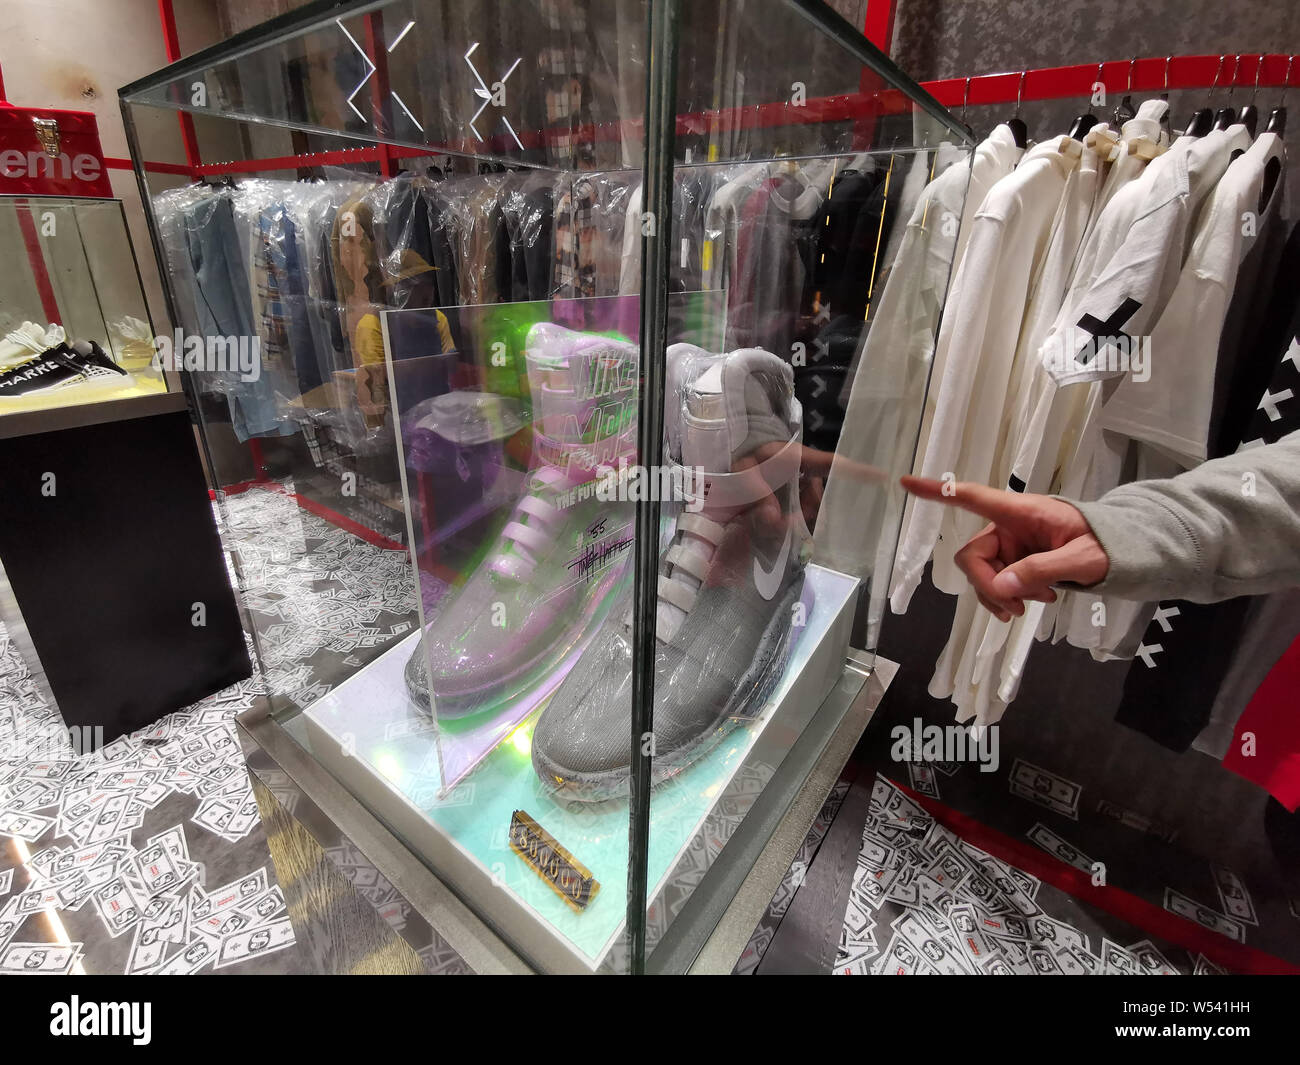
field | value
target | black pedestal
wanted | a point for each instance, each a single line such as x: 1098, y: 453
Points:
x: 111, y: 551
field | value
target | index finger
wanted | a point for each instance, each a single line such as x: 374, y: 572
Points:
x: 997, y: 506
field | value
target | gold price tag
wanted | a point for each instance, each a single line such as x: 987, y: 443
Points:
x: 569, y: 877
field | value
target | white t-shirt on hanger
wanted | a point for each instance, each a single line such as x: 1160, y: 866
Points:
x: 1172, y: 408
x: 977, y: 340
x: 977, y: 633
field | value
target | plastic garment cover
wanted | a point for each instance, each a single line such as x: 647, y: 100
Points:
x: 414, y: 253
x: 359, y: 283
x: 730, y: 583
x: 208, y: 238
x: 169, y: 211
x: 472, y: 210
x: 413, y: 273
x: 773, y: 257
x: 528, y: 206
x: 590, y: 217
x: 313, y: 208
x: 722, y: 221
x: 277, y: 295
x: 693, y: 189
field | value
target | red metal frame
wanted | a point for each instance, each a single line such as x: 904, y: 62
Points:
x: 879, y: 25
x: 172, y: 42
x: 1152, y: 74
x: 36, y: 257
x: 379, y: 87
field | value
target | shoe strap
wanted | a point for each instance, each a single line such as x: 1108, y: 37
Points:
x: 721, y: 490
x: 533, y: 539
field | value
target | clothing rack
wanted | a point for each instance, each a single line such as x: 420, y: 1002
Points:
x: 1152, y: 74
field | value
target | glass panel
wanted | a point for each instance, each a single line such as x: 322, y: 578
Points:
x: 528, y: 82
x: 833, y: 272
x: 513, y: 436
x: 421, y: 378
x: 767, y: 78
x: 74, y: 327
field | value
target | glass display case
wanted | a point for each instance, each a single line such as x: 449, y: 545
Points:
x: 587, y: 343
x: 74, y: 325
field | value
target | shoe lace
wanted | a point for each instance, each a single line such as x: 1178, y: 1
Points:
x: 36, y: 339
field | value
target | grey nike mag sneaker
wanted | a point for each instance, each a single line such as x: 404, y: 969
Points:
x: 562, y: 552
x: 729, y: 584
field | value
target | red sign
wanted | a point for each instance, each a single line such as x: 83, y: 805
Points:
x: 46, y: 152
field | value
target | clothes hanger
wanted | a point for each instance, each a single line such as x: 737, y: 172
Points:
x: 1087, y: 120
x: 1249, y: 116
x: 1226, y: 115
x: 1203, y: 121
x: 1277, y: 120
x: 1019, y: 131
x: 1126, y: 110
x: 1166, y: 129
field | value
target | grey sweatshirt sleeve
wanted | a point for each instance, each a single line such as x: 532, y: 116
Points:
x: 1229, y: 527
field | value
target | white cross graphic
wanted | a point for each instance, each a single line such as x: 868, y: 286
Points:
x: 1162, y: 615
x: 1270, y: 402
x: 370, y: 68
x: 485, y: 94
x: 1293, y: 353
x: 1146, y: 651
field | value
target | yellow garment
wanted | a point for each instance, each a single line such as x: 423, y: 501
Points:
x: 372, y: 374
x: 369, y: 342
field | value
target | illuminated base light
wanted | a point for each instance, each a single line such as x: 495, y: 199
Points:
x: 389, y: 766
x: 522, y: 739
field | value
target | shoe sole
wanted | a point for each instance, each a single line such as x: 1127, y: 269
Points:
x: 491, y: 697
x: 762, y: 680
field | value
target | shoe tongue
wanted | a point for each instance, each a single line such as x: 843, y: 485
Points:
x: 706, y: 442
x: 727, y: 417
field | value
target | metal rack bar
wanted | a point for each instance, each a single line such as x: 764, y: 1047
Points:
x: 1150, y: 74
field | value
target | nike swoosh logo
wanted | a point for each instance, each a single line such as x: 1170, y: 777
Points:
x: 768, y: 582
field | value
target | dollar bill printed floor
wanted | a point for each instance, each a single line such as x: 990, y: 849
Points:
x: 926, y: 902
x: 1176, y: 833
x: 148, y: 856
